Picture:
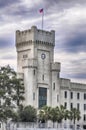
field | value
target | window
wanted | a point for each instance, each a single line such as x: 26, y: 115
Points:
x: 84, y: 96
x: 34, y: 72
x: 84, y: 117
x: 78, y: 106
x: 42, y: 97
x: 53, y: 86
x: 71, y: 95
x: 33, y: 96
x: 24, y: 56
x: 84, y: 106
x: 65, y: 94
x: 78, y: 95
x: 43, y: 77
x: 71, y: 106
x: 65, y: 104
x: 58, y: 75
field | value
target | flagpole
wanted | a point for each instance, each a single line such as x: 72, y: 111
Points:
x: 42, y: 20
x: 42, y: 11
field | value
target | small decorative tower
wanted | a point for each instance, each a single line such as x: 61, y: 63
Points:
x: 35, y: 57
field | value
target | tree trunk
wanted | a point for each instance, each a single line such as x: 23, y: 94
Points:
x: 74, y: 124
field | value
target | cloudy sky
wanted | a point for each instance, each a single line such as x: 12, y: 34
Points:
x: 66, y: 17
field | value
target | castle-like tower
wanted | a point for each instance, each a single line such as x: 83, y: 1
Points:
x: 36, y: 67
x: 35, y: 64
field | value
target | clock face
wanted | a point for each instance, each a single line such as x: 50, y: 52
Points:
x: 43, y: 56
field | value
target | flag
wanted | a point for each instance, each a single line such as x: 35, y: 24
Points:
x: 41, y: 10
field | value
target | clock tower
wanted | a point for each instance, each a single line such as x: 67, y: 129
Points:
x: 35, y: 65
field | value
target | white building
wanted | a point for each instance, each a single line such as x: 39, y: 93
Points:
x: 36, y: 66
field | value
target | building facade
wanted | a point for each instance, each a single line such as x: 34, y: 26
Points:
x: 41, y: 75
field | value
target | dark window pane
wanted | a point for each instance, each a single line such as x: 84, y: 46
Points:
x: 53, y: 86
x: 42, y: 97
x: 71, y: 95
x: 78, y: 95
x: 65, y: 104
x: 25, y: 56
x: 84, y: 106
x: 65, y: 94
x: 84, y: 117
x: 33, y: 96
x: 34, y: 72
x: 43, y: 77
x: 84, y: 96
x: 71, y: 106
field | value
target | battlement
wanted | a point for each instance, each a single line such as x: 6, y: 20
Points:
x: 55, y: 66
x: 65, y: 83
x: 78, y: 86
x: 35, y: 35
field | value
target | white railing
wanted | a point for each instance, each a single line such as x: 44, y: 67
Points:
x: 40, y: 126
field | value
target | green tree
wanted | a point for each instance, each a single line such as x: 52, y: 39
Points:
x: 18, y: 86
x: 54, y: 115
x: 16, y: 114
x: 61, y: 113
x: 10, y: 86
x: 74, y: 115
x: 44, y: 113
x: 66, y: 114
x: 28, y: 114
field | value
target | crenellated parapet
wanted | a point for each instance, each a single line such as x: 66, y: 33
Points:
x: 65, y: 83
x: 78, y: 86
x: 56, y: 66
x: 38, y: 36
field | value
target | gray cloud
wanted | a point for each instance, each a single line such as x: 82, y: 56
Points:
x: 60, y: 5
x: 6, y: 42
x: 4, y: 3
x: 7, y: 57
x: 72, y: 39
x: 64, y: 16
x: 76, y: 76
x: 74, y: 43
